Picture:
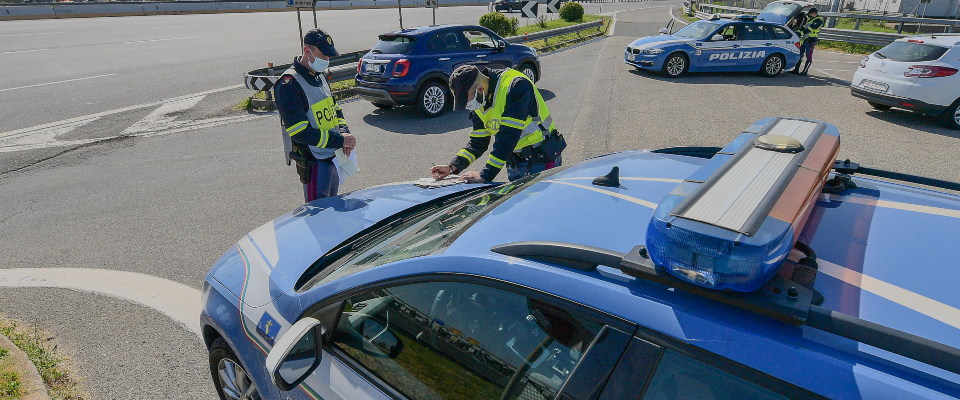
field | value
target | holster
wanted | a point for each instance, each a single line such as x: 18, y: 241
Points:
x: 304, y: 160
x: 546, y: 151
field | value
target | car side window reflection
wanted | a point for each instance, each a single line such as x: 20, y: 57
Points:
x: 681, y: 377
x: 445, y: 42
x: 479, y: 40
x: 463, y: 341
x: 753, y: 32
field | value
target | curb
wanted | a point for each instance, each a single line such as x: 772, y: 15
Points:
x: 35, y: 388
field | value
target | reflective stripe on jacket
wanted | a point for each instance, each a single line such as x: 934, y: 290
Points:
x: 493, y: 119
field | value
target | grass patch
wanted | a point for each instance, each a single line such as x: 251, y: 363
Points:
x: 11, y: 387
x: 559, y: 42
x: 845, y: 47
x: 865, y: 25
x: 61, y: 381
x: 557, y: 23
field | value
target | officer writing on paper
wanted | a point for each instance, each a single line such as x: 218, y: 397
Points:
x: 504, y: 104
x: 312, y: 121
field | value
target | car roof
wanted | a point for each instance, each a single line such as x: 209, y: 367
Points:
x: 943, y: 39
x: 421, y: 30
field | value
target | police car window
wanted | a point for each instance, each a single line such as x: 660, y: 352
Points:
x: 392, y: 44
x: 729, y: 32
x: 753, y: 32
x: 479, y: 39
x: 911, y: 52
x: 779, y: 33
x: 445, y: 42
x: 697, y: 30
x: 451, y: 340
x: 681, y: 377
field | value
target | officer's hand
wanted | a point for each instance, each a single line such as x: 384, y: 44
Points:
x: 472, y: 177
x: 349, y: 143
x: 440, y: 171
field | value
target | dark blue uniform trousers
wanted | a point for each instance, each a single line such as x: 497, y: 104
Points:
x: 324, y: 181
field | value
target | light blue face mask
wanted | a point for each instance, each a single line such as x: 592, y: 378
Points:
x: 319, y: 64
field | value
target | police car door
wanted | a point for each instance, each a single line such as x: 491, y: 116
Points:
x: 754, y: 48
x: 717, y: 49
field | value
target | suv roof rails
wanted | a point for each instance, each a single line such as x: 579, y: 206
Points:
x: 780, y: 298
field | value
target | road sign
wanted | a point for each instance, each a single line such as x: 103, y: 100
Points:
x: 529, y: 10
x: 553, y: 6
x: 432, y: 3
x: 300, y: 3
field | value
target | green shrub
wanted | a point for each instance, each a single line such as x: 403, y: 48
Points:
x: 571, y: 12
x: 514, y: 25
x: 497, y: 22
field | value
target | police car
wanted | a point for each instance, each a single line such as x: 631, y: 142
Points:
x: 718, y: 45
x: 761, y: 270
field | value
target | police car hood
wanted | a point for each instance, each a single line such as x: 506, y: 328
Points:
x: 659, y: 40
x: 282, y: 249
x: 887, y: 253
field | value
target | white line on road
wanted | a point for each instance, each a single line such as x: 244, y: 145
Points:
x: 31, y: 34
x: 161, y: 40
x: 54, y: 83
x: 22, y: 51
x: 175, y: 300
x: 831, y: 75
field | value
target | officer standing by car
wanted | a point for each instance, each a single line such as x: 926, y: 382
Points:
x: 809, y: 33
x: 312, y: 121
x: 505, y: 104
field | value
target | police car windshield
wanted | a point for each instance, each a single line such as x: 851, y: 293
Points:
x: 697, y: 30
x: 394, y: 44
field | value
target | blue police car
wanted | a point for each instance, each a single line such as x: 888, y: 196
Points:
x: 718, y: 45
x: 412, y: 66
x: 760, y: 270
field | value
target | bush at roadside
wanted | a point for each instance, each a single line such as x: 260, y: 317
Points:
x: 498, y: 23
x: 571, y: 12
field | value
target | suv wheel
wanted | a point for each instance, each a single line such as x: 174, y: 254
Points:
x: 432, y: 99
x: 675, y: 65
x: 952, y: 116
x: 229, y: 377
x: 772, y: 66
x: 878, y: 106
x: 528, y: 70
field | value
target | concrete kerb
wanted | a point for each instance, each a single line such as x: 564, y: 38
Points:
x: 35, y: 388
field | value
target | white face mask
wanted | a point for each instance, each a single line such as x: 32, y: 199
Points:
x: 319, y: 64
x: 474, y: 104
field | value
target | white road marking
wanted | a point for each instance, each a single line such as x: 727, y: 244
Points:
x: 31, y: 34
x: 22, y: 51
x: 175, y: 300
x: 841, y: 70
x: 43, y: 135
x: 161, y: 40
x: 54, y: 83
x: 830, y: 75
x: 160, y: 119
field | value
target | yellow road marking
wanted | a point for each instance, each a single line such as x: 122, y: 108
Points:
x: 919, y: 303
x: 945, y: 212
x: 609, y: 193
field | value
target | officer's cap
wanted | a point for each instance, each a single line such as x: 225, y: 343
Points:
x: 461, y: 80
x: 323, y: 41
x: 812, y: 11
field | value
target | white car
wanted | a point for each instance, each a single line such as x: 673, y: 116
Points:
x: 917, y: 73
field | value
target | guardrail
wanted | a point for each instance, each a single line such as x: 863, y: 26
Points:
x: 344, y: 67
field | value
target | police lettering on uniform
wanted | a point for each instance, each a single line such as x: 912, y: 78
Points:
x: 809, y: 36
x: 312, y: 121
x: 504, y: 105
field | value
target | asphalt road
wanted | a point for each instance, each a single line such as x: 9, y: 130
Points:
x: 169, y: 205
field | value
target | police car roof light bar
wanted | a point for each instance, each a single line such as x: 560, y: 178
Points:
x: 731, y: 224
x: 779, y: 298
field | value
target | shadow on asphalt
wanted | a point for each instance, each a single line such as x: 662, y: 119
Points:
x: 924, y: 123
x: 746, y: 78
x: 546, y: 94
x: 407, y: 120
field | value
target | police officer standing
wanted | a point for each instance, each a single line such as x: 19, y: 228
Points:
x: 312, y: 121
x: 505, y: 104
x: 809, y: 33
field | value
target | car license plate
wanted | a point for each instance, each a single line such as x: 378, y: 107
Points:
x: 882, y: 87
x: 631, y: 57
x: 373, y: 68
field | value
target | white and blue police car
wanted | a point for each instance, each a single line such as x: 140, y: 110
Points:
x: 718, y: 45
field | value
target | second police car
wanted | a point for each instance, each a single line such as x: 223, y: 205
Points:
x: 718, y: 45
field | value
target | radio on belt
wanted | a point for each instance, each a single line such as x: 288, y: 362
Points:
x: 732, y: 223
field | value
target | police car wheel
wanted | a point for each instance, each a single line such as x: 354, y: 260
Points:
x: 952, y: 116
x: 878, y: 106
x: 432, y: 99
x: 675, y: 65
x: 772, y: 66
x: 229, y: 377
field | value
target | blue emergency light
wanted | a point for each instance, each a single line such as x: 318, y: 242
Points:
x: 731, y: 224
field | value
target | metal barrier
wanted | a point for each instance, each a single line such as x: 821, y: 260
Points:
x: 554, y: 32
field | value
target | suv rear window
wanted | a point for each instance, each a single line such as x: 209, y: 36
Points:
x: 911, y: 52
x: 393, y: 44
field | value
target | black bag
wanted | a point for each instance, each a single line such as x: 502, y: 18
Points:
x: 549, y: 149
x: 304, y: 165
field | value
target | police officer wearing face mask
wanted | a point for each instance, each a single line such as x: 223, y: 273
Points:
x: 312, y: 121
x: 505, y: 104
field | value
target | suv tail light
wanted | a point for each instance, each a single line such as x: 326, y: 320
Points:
x: 359, y: 63
x: 863, y: 62
x: 401, y: 68
x: 929, y: 71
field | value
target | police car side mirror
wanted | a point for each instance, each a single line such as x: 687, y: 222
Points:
x: 717, y: 38
x: 663, y: 31
x: 296, y: 354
